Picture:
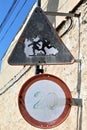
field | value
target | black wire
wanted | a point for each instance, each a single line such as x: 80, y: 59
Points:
x: 68, y: 29
x: 9, y: 13
x: 13, y: 21
x: 1, y: 93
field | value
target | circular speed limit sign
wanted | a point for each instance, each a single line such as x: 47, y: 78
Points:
x: 45, y: 101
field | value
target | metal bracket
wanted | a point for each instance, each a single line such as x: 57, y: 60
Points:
x: 77, y: 102
x: 39, y: 70
x: 61, y: 14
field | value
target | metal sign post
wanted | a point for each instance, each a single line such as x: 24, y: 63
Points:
x: 37, y: 67
x: 39, y: 3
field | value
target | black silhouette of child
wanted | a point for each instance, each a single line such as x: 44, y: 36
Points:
x: 44, y: 42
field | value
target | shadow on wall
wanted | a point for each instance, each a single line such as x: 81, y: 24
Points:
x: 52, y: 6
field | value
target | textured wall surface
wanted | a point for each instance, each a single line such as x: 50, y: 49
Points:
x: 74, y: 75
x: 58, y: 6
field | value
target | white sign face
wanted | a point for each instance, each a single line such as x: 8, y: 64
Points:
x: 45, y: 100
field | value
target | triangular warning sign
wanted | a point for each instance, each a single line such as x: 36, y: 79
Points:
x: 39, y: 44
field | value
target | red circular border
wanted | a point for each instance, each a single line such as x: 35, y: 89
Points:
x: 25, y: 114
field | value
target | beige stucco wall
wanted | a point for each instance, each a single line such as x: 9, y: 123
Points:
x: 74, y: 75
x: 58, y: 6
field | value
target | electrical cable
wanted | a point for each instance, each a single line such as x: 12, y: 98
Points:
x: 9, y: 13
x: 69, y: 28
x: 13, y: 21
x: 14, y: 80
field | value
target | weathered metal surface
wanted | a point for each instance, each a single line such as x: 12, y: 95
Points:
x: 39, y: 44
x: 61, y: 14
x: 76, y: 102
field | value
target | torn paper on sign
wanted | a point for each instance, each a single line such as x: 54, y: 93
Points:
x: 38, y: 46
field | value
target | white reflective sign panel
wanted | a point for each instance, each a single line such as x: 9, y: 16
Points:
x: 45, y: 100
